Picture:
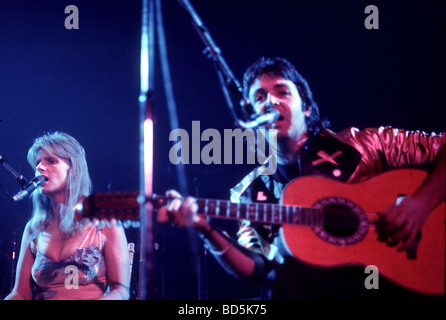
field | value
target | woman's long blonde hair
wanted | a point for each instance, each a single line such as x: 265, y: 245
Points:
x: 78, y: 183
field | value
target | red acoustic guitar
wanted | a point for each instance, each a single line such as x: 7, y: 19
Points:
x: 325, y: 223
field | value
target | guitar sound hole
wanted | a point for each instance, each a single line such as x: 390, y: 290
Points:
x: 343, y: 222
x: 339, y: 221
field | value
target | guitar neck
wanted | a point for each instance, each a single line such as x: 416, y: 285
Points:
x: 259, y: 212
x: 126, y: 206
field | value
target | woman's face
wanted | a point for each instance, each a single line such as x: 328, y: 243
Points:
x: 55, y: 170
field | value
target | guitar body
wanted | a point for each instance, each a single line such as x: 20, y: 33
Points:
x: 420, y: 269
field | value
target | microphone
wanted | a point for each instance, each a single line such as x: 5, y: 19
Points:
x: 29, y: 187
x: 264, y: 119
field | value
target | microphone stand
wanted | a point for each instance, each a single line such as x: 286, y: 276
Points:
x: 22, y: 181
x: 228, y: 82
x: 13, y: 258
x: 145, y: 279
x: 20, y: 178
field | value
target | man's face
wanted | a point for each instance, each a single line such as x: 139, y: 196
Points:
x: 274, y: 92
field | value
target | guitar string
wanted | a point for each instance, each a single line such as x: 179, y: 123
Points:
x: 307, y: 215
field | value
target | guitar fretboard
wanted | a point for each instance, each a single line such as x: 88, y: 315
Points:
x: 260, y: 212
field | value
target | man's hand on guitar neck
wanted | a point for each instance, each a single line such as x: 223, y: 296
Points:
x: 182, y: 212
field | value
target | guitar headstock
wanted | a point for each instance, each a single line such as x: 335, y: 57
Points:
x: 107, y: 206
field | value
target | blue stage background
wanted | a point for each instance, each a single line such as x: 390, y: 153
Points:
x: 86, y: 82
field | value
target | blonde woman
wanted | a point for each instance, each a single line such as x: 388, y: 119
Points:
x: 60, y: 257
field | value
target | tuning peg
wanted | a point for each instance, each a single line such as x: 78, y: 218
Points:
x: 127, y: 224
x: 108, y: 223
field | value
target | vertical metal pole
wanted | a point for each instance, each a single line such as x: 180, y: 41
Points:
x: 13, y: 260
x: 146, y: 152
